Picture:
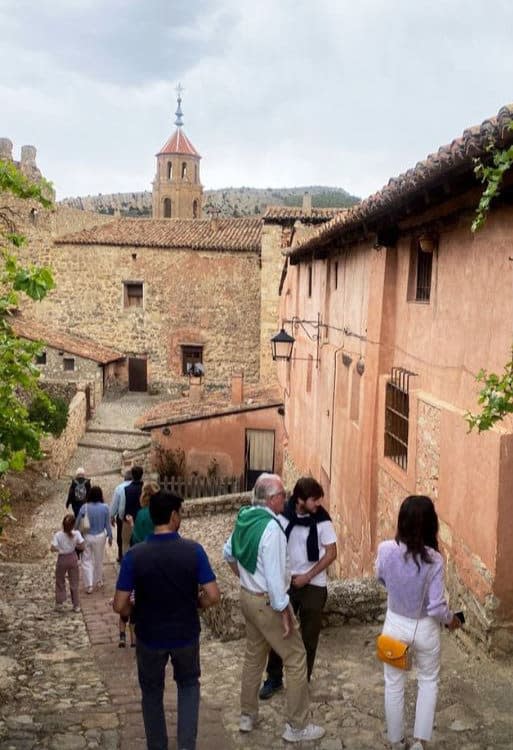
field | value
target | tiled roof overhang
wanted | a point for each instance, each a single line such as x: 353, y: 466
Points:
x: 290, y: 214
x: 452, y: 162
x: 179, y: 234
x: 35, y: 330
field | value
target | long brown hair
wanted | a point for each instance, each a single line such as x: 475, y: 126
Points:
x: 417, y: 527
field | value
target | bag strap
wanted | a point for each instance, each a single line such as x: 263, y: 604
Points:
x: 424, y: 592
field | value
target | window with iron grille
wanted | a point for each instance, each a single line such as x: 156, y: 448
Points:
x: 397, y: 412
x: 41, y: 358
x: 68, y: 364
x: 191, y: 355
x: 133, y: 294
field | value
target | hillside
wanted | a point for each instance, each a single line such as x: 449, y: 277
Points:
x: 243, y: 201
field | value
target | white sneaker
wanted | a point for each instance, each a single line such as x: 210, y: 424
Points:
x: 310, y: 732
x: 77, y: 609
x: 246, y: 723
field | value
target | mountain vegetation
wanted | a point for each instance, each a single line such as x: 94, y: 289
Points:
x: 229, y: 202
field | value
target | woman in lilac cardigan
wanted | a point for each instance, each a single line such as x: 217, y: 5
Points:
x: 412, y: 571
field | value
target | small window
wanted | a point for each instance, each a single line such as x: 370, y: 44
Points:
x: 335, y: 275
x: 195, y: 173
x: 310, y: 273
x: 421, y: 269
x: 41, y: 358
x: 195, y: 209
x: 170, y: 170
x: 397, y: 412
x: 191, y: 355
x: 167, y: 208
x: 184, y: 170
x: 68, y: 364
x: 133, y: 294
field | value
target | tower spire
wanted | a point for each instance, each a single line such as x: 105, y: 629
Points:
x: 179, y: 113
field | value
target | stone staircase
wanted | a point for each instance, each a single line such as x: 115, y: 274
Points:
x: 101, y: 451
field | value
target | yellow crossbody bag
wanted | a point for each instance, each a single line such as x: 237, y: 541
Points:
x: 393, y: 652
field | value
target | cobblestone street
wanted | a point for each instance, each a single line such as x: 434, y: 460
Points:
x: 65, y: 685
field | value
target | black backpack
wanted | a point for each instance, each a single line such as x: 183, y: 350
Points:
x: 80, y: 492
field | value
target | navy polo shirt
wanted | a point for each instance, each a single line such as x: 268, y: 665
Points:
x: 165, y: 572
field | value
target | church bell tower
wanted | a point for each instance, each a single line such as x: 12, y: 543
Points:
x: 177, y: 190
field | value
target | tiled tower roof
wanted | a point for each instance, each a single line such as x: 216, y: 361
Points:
x: 179, y: 144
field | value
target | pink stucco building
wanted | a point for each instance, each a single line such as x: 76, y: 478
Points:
x: 411, y: 305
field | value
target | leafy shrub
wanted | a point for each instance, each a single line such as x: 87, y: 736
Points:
x: 50, y: 413
x: 169, y: 463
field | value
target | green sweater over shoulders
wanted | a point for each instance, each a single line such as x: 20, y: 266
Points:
x: 251, y: 523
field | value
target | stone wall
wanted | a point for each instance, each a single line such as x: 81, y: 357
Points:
x: 272, y: 266
x: 59, y: 450
x: 189, y: 297
x: 349, y: 601
x: 66, y: 219
x: 207, y: 506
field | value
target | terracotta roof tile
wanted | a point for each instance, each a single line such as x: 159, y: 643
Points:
x: 454, y: 157
x: 82, y: 347
x: 195, y: 234
x: 179, y: 144
x: 293, y: 213
x: 215, y: 404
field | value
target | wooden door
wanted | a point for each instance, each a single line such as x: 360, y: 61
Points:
x: 259, y: 455
x: 137, y: 374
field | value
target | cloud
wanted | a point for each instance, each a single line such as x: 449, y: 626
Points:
x: 275, y: 93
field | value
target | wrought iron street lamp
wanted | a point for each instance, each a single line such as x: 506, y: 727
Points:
x: 281, y: 346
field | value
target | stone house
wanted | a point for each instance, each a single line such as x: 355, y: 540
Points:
x: 229, y: 434
x: 66, y: 358
x: 395, y: 305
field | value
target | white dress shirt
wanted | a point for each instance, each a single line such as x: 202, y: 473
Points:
x: 272, y: 574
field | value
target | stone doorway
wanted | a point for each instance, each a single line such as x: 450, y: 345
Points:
x: 137, y: 374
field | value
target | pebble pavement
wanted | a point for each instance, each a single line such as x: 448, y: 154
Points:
x: 64, y: 684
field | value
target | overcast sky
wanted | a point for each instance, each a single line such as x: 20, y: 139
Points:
x: 277, y: 92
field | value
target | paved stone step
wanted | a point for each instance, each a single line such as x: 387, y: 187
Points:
x: 116, y: 448
x: 107, y: 431
x: 125, y: 440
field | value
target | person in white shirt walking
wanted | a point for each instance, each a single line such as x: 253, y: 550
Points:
x: 312, y: 547
x: 257, y: 553
x: 66, y: 543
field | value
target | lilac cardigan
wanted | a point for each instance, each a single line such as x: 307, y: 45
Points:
x: 405, y: 583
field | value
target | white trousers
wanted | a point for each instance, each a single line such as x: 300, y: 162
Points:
x: 92, y: 559
x: 426, y: 651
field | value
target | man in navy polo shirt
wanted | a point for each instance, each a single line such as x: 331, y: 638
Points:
x: 171, y: 578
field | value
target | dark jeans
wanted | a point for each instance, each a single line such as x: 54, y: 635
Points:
x: 119, y: 538
x: 308, y: 603
x: 151, y: 667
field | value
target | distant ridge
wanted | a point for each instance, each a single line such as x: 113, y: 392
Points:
x: 230, y: 202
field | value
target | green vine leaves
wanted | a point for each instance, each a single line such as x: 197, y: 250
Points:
x: 496, y: 395
x: 491, y: 175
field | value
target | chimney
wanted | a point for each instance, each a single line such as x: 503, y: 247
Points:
x: 237, y: 387
x: 307, y: 204
x: 195, y: 390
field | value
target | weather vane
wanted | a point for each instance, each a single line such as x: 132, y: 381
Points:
x: 179, y: 114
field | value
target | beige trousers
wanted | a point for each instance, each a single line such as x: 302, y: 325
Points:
x: 264, y: 630
x: 126, y: 535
